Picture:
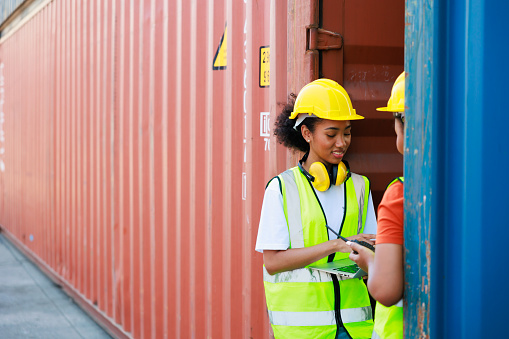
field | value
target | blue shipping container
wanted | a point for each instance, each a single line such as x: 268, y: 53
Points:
x: 456, y: 165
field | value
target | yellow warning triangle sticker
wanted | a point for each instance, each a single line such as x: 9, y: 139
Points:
x: 220, y: 57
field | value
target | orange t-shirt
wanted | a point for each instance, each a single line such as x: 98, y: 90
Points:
x: 390, y: 216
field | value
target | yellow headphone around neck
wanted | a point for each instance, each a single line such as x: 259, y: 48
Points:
x: 321, y: 179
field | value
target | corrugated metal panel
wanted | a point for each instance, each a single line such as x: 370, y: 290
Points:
x: 133, y: 171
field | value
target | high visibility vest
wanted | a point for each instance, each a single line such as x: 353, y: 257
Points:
x: 389, y: 320
x: 306, y: 303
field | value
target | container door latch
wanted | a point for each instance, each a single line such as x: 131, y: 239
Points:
x: 322, y: 39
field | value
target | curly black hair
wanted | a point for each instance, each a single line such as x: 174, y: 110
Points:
x: 284, y: 131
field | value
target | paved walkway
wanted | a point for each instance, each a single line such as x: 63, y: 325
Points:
x: 32, y: 306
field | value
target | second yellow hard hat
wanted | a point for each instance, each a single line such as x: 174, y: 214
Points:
x: 396, y: 102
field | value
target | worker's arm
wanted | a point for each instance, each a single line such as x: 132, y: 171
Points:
x: 277, y: 261
x: 385, y: 270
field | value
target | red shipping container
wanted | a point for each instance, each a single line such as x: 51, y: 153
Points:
x: 138, y: 142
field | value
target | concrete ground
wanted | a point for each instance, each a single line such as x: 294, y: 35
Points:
x: 32, y: 306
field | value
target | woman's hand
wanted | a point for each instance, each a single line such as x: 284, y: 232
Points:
x: 341, y: 246
x: 364, y: 257
x: 277, y: 261
x: 364, y: 237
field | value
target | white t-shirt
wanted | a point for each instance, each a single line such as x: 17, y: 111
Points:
x: 273, y: 230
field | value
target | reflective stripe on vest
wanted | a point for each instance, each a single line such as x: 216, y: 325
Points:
x: 323, y: 318
x: 294, y: 219
x: 360, y: 186
x: 306, y: 296
x: 301, y: 275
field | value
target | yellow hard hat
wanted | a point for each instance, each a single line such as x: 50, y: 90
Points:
x: 325, y: 99
x: 396, y: 102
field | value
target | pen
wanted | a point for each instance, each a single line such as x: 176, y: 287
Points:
x: 337, y: 235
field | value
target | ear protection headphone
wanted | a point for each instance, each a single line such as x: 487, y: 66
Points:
x: 321, y: 179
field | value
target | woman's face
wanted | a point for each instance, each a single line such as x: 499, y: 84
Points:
x: 329, y: 141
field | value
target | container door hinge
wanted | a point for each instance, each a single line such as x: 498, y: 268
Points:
x: 322, y: 39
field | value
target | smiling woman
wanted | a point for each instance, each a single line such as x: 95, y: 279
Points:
x: 328, y: 143
x: 303, y: 213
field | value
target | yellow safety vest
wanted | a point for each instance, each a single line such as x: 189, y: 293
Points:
x: 307, y: 303
x: 389, y: 320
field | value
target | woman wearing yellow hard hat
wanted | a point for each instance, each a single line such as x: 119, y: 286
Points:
x: 305, y: 211
x: 385, y: 269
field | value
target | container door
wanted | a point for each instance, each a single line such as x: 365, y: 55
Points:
x: 360, y: 44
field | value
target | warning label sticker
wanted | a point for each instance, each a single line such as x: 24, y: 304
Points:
x: 264, y: 66
x: 220, y: 57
